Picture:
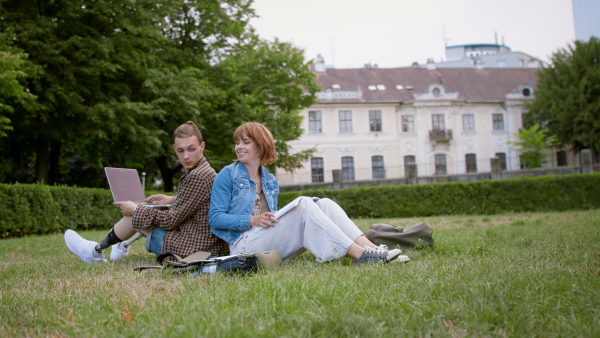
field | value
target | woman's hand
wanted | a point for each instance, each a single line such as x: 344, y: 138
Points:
x: 264, y: 220
x: 160, y: 199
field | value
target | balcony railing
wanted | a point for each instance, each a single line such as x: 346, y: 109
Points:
x: 440, y: 135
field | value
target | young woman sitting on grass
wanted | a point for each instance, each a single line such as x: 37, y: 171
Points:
x: 244, y: 201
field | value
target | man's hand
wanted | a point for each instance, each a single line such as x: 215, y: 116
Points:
x: 160, y: 199
x: 126, y: 207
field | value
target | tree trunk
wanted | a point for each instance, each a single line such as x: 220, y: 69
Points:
x: 54, y: 170
x: 167, y: 173
x: 42, y: 161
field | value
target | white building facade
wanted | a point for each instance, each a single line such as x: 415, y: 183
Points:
x: 374, y: 123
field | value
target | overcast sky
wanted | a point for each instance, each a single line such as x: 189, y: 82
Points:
x: 395, y: 33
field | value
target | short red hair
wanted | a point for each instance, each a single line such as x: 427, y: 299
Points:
x: 262, y: 137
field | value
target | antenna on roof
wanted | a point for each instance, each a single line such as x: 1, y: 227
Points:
x: 444, y: 38
x: 332, y: 52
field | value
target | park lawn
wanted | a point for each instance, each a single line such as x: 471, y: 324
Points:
x: 503, y: 275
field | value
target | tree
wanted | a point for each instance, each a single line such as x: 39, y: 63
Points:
x: 114, y: 78
x: 567, y: 99
x: 533, y: 142
x: 266, y: 82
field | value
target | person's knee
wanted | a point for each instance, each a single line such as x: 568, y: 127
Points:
x: 324, y: 202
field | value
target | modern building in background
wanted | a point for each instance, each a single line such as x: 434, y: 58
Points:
x: 586, y: 15
x: 484, y: 56
x: 376, y: 123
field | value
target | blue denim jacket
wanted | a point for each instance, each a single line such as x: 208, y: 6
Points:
x: 232, y: 200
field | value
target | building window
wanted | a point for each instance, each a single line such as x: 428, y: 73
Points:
x: 345, y: 121
x: 438, y: 122
x: 501, y: 160
x: 561, y: 158
x: 471, y: 162
x: 316, y: 165
x: 347, y: 168
x: 468, y: 122
x: 314, y: 122
x: 410, y: 168
x: 408, y: 123
x: 375, y: 120
x: 498, y: 121
x: 501, y: 64
x: 440, y: 165
x: 378, y: 169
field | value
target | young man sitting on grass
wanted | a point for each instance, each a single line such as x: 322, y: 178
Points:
x: 181, y: 230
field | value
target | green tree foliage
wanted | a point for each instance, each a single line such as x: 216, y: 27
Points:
x: 114, y: 78
x: 264, y: 82
x: 567, y: 98
x: 12, y: 90
x: 531, y: 147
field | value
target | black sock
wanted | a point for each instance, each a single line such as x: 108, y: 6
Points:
x: 110, y: 239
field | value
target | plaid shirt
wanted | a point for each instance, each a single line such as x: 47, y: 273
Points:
x: 187, y: 221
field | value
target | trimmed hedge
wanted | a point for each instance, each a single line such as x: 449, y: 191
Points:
x: 544, y: 193
x: 39, y: 209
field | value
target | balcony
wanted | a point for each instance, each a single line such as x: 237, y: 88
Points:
x: 440, y: 136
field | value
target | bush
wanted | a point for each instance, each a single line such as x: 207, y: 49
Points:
x: 40, y: 209
x: 545, y: 193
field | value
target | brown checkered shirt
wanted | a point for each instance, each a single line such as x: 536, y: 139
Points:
x: 187, y: 221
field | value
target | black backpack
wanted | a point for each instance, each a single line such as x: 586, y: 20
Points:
x: 242, y: 264
x: 414, y: 236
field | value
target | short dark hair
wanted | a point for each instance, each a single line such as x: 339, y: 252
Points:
x: 186, y: 130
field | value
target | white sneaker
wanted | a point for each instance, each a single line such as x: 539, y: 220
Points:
x: 119, y: 251
x: 82, y: 248
x: 402, y: 259
x: 391, y: 254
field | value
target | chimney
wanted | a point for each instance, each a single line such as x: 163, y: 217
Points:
x: 320, y: 64
x: 430, y: 64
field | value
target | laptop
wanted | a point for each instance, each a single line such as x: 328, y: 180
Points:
x: 125, y: 185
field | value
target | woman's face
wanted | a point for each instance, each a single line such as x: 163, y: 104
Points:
x: 247, y: 150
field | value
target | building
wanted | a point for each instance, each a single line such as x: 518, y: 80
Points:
x: 484, y: 56
x: 585, y: 17
x: 375, y: 123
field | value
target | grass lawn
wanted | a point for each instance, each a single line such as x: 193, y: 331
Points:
x: 515, y: 275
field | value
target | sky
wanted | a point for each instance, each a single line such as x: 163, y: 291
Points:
x: 396, y: 33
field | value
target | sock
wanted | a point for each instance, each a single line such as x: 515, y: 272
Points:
x: 110, y: 239
x: 210, y: 269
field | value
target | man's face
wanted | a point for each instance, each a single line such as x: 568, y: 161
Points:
x: 189, y: 151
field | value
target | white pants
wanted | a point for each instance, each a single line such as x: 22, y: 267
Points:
x: 321, y: 227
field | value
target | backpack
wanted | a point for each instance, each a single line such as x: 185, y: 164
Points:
x: 242, y: 264
x: 414, y: 236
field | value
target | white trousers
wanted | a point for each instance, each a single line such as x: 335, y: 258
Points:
x: 321, y: 227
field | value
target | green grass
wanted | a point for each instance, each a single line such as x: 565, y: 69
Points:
x: 509, y: 275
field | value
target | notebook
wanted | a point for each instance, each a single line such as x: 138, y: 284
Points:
x: 125, y: 185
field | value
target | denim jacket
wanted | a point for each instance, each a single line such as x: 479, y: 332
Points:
x: 233, y: 197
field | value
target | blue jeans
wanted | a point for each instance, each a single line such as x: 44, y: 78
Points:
x: 155, y: 239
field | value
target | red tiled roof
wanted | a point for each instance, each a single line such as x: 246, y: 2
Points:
x: 474, y: 85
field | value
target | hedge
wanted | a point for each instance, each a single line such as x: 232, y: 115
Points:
x: 530, y: 194
x: 40, y: 209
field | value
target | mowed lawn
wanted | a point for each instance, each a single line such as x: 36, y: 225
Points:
x: 509, y: 275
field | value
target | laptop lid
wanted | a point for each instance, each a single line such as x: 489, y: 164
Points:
x: 125, y: 185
